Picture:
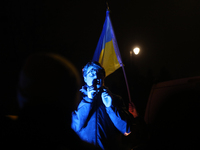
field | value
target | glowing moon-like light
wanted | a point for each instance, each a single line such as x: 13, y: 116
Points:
x: 136, y: 50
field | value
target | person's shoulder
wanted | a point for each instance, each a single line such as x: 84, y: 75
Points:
x: 118, y: 101
x: 85, y: 102
x: 117, y: 97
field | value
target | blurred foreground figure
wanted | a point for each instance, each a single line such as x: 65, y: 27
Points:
x: 47, y: 94
x: 101, y: 117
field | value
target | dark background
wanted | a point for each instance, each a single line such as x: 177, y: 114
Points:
x: 166, y: 31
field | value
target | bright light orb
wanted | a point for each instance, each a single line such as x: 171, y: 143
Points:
x: 136, y: 50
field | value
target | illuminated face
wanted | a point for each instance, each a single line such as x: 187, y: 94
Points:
x: 92, y: 78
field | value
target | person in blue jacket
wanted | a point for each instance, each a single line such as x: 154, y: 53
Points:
x: 101, y: 117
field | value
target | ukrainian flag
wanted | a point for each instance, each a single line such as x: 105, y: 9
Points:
x: 107, y: 51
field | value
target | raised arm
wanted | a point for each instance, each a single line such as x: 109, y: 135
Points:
x: 117, y: 112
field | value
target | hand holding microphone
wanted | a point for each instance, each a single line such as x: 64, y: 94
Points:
x: 91, y: 92
x: 106, y: 98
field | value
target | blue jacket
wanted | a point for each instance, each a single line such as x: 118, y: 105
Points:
x: 100, y: 125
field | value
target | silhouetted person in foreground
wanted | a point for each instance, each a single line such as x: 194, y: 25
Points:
x: 47, y: 94
x: 176, y: 125
x: 101, y: 117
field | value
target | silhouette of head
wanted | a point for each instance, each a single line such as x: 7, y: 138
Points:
x: 48, y: 79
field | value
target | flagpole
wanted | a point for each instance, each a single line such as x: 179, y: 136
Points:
x: 108, y: 35
x: 129, y: 96
x: 132, y: 108
x: 121, y: 64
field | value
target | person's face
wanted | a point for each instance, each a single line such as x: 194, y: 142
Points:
x: 92, y: 78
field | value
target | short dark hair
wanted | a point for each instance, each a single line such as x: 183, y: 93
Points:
x: 45, y: 79
x: 96, y: 65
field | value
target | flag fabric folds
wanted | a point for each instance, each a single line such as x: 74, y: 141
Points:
x: 107, y: 51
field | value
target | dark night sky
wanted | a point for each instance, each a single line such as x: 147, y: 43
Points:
x: 166, y: 31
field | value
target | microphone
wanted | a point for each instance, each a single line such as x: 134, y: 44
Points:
x: 94, y: 83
